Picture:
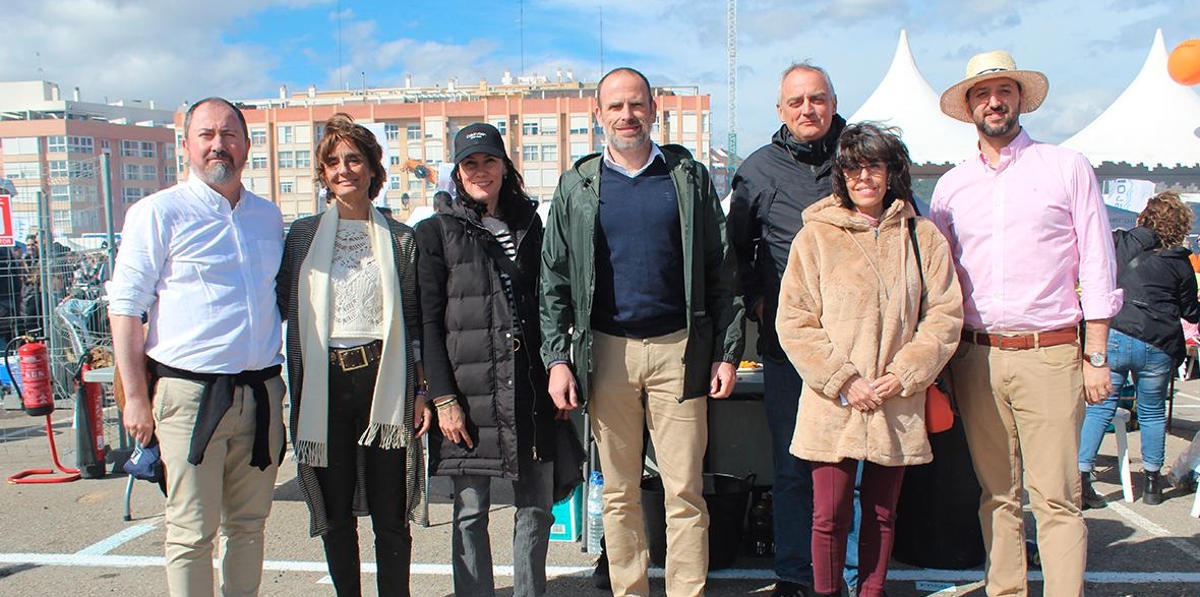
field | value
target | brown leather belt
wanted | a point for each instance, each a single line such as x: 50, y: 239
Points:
x: 356, y: 357
x: 1023, y: 341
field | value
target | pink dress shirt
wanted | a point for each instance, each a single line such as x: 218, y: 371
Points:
x: 1023, y: 233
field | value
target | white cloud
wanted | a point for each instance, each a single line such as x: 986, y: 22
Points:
x: 171, y: 50
x: 167, y: 50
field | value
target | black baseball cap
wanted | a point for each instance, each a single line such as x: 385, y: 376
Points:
x: 478, y: 137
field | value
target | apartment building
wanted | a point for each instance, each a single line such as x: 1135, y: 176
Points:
x: 547, y: 125
x: 53, y: 145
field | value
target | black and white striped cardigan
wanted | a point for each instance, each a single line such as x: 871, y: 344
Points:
x: 404, y: 247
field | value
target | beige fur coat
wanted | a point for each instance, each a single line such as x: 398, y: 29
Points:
x: 851, y: 302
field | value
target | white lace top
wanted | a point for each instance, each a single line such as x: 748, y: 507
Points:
x: 356, y: 311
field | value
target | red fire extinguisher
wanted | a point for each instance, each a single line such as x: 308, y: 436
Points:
x: 36, y: 394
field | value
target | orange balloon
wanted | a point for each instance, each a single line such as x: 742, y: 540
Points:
x: 1184, y: 63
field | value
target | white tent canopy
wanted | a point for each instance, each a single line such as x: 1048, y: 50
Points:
x: 1154, y: 122
x: 905, y: 100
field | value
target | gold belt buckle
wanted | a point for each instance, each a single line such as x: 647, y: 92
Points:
x: 361, y: 351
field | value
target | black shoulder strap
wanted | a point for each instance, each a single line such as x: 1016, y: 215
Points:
x: 912, y: 237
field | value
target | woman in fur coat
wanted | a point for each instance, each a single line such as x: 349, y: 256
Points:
x: 870, y: 311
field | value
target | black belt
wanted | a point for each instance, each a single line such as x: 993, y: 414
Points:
x: 215, y: 400
x: 356, y: 357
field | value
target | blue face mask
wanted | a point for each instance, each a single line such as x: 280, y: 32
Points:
x: 144, y: 463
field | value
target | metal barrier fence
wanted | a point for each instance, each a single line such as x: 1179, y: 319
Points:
x: 51, y: 290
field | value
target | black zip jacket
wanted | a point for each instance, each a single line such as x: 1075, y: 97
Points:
x: 771, y: 190
x: 467, y: 345
x: 1160, y: 289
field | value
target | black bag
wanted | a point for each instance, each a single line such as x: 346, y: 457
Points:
x: 937, y: 517
x: 569, y: 457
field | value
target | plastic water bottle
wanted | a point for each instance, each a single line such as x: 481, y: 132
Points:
x: 595, y: 512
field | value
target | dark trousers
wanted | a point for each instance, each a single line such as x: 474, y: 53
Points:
x: 833, y: 512
x: 349, y: 414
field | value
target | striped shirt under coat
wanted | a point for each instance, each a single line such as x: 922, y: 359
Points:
x: 404, y: 247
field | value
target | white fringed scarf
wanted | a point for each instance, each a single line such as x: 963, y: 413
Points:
x: 387, y: 402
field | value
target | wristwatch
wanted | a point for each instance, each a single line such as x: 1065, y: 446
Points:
x: 1097, y: 359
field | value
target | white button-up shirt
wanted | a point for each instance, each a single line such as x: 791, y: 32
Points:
x: 204, y: 274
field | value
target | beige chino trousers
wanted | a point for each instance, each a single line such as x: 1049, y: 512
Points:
x: 1022, y: 411
x: 223, y: 494
x: 637, y: 384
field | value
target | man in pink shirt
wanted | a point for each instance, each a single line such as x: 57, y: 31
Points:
x: 1026, y: 224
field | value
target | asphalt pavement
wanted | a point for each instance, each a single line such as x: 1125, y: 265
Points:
x: 70, y: 539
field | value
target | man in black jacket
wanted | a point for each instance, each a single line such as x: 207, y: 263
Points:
x: 770, y: 190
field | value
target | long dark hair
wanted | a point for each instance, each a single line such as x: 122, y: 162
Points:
x: 513, y: 199
x: 866, y: 142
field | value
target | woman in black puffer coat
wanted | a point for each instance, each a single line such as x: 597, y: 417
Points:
x: 1145, y: 338
x: 478, y: 276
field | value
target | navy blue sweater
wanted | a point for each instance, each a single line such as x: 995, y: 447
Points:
x: 639, y: 255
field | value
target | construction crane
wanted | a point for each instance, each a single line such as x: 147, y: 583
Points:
x: 731, y: 52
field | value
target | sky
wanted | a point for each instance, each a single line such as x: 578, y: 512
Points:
x: 173, y: 51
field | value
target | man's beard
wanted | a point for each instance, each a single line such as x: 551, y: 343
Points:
x: 218, y: 172
x: 623, y: 144
x: 1000, y: 130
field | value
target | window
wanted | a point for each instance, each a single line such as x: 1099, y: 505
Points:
x: 169, y: 175
x: 501, y: 125
x: 413, y: 132
x: 129, y: 148
x: 303, y: 132
x: 550, y: 125
x: 286, y: 159
x: 529, y: 127
x: 62, y: 221
x: 150, y: 172
x: 56, y: 144
x: 131, y: 194
x: 533, y: 178
x: 391, y: 131
x: 168, y: 152
x: 286, y: 186
x: 60, y: 192
x: 258, y: 136
x: 689, y: 123
x: 130, y: 172
x: 20, y: 145
x: 529, y: 153
x: 284, y: 133
x: 579, y: 124
x: 22, y: 170
x: 258, y: 161
x: 148, y: 149
x: 578, y: 149
x: 81, y: 145
x: 394, y: 160
x: 303, y: 158
x: 85, y: 169
x: 58, y: 168
x: 394, y: 182
x: 550, y: 152
x: 434, y: 151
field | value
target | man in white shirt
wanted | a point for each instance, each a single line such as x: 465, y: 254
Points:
x: 198, y: 261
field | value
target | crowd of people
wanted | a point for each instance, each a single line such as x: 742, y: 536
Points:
x: 484, y: 327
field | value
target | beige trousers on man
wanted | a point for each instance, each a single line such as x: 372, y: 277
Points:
x: 637, y: 384
x: 1022, y: 410
x: 223, y: 493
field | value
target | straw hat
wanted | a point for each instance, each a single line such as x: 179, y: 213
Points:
x: 991, y: 65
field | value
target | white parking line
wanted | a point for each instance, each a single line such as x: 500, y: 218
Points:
x: 102, y: 547
x: 113, y: 561
x: 1155, y: 529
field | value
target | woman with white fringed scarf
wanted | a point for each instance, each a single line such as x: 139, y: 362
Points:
x: 347, y: 289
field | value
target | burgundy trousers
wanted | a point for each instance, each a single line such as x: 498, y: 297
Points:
x: 833, y: 511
